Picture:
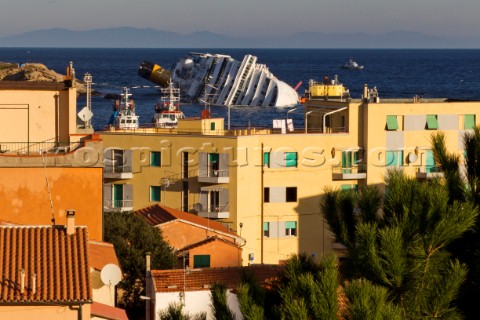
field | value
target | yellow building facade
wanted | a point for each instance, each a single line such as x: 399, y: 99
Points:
x: 267, y: 185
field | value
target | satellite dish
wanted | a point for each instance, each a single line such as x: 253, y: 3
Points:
x: 197, y: 207
x: 111, y: 274
x: 85, y: 114
x: 412, y: 157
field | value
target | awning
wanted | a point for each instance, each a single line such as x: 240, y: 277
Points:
x: 215, y: 187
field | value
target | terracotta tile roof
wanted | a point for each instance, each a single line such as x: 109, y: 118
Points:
x: 101, y: 254
x: 58, y: 261
x: 202, y: 279
x: 107, y: 312
x: 159, y: 214
x: 204, y: 241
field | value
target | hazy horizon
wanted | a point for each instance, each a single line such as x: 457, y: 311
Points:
x: 247, y: 18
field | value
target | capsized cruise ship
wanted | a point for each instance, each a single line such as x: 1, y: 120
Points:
x: 219, y: 79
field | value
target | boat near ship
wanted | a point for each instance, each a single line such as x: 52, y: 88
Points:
x: 221, y: 80
x: 352, y: 65
x: 326, y: 90
x: 167, y: 111
x: 124, y: 116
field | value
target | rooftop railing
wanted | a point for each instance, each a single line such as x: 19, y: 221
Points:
x: 37, y: 148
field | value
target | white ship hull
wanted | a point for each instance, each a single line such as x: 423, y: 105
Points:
x: 221, y: 80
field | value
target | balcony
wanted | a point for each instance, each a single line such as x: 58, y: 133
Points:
x: 118, y: 172
x: 118, y: 205
x: 219, y: 211
x: 213, y: 176
x: 358, y: 172
x: 427, y: 173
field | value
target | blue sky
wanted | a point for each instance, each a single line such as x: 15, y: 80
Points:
x: 246, y: 18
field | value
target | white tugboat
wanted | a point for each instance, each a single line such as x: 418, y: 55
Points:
x: 124, y: 116
x: 167, y: 111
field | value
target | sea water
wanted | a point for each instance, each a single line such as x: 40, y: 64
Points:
x: 397, y: 73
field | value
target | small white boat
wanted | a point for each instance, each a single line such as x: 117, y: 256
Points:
x: 352, y: 65
x: 167, y: 111
x: 124, y: 116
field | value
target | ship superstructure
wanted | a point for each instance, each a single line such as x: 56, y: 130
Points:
x: 221, y: 80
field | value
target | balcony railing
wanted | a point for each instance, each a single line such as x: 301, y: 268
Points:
x: 36, y: 148
x: 118, y: 169
x: 118, y: 172
x: 349, y: 173
x: 118, y: 205
x: 213, y: 176
x: 429, y: 172
x: 218, y: 211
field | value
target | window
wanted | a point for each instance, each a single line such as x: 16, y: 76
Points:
x: 432, y: 121
x: 291, y: 195
x: 291, y: 228
x: 279, y: 194
x: 392, y: 123
x: 155, y: 193
x: 201, y: 261
x: 266, y: 229
x: 290, y: 159
x: 155, y: 159
x: 348, y: 187
x: 469, y: 122
x: 212, y: 125
x: 266, y: 194
x: 394, y: 158
x: 266, y: 159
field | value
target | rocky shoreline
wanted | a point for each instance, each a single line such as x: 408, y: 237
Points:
x: 34, y: 72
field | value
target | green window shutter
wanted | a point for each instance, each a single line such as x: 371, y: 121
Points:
x: 469, y: 122
x: 266, y: 226
x: 432, y: 121
x: 390, y: 158
x: 214, y: 157
x: 155, y: 159
x: 346, y: 159
x: 155, y: 193
x: 201, y: 261
x: 291, y: 225
x: 400, y: 158
x: 212, y: 125
x: 291, y: 159
x: 392, y: 123
x: 430, y: 161
x: 266, y: 159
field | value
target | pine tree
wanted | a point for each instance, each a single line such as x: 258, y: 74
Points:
x: 464, y: 185
x: 403, y: 247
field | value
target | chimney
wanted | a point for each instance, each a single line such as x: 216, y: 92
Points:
x: 34, y: 283
x: 22, y: 281
x: 365, y: 92
x: 147, y: 263
x: 70, y: 222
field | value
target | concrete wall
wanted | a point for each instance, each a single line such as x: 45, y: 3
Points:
x: 43, y: 312
x: 195, y: 302
x: 24, y: 196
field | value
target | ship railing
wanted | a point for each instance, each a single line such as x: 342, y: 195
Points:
x: 37, y: 148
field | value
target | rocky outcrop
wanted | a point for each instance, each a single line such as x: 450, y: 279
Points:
x: 35, y: 72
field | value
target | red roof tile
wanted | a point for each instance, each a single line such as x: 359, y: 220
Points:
x: 107, y: 312
x: 203, y: 279
x: 204, y: 241
x: 58, y: 261
x: 101, y: 254
x: 158, y: 214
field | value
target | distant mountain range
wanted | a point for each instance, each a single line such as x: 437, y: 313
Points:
x: 126, y: 37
